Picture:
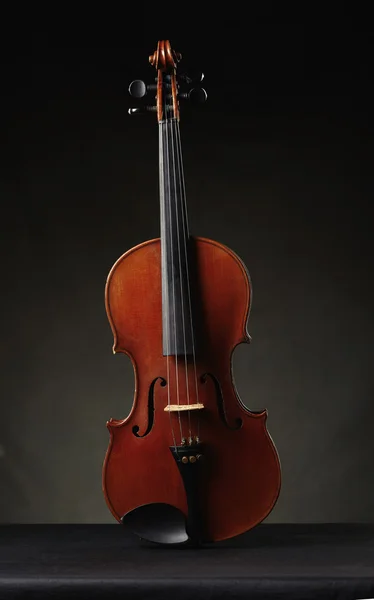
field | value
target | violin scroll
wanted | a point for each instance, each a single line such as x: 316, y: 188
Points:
x: 170, y: 86
x: 164, y: 58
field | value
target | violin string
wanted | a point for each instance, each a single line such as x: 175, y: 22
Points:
x: 172, y: 272
x: 187, y: 234
x: 178, y: 200
x: 164, y: 281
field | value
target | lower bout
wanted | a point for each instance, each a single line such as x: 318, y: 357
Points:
x: 236, y: 486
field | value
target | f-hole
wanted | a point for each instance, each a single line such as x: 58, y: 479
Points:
x: 221, y: 403
x: 151, y: 409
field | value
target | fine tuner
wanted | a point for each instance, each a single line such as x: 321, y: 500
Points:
x: 196, y: 95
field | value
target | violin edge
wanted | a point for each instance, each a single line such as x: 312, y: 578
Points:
x: 246, y: 338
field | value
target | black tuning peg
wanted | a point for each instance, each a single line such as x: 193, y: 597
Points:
x: 194, y: 77
x: 195, y: 95
x: 138, y: 89
x: 141, y: 110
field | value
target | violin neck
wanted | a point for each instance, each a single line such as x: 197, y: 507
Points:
x: 176, y: 298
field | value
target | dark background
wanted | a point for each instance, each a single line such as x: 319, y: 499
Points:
x: 278, y: 166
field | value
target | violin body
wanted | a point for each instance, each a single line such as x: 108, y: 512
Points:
x: 240, y: 479
x: 190, y: 464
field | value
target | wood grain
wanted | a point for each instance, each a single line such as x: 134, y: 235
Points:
x: 241, y: 474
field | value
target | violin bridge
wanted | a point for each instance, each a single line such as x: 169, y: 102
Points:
x: 183, y: 407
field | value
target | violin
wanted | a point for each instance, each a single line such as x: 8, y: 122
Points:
x: 190, y: 464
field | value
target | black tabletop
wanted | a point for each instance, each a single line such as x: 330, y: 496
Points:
x: 271, y: 561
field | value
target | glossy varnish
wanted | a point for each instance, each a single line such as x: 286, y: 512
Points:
x: 240, y: 477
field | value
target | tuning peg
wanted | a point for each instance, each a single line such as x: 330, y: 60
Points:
x: 141, y: 110
x: 194, y: 77
x: 138, y: 89
x: 195, y: 95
